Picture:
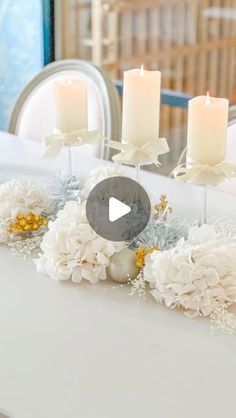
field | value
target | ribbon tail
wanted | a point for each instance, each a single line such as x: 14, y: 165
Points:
x: 156, y: 163
x: 180, y: 174
x: 54, y: 146
x: 151, y: 156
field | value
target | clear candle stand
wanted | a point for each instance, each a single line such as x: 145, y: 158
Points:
x: 57, y: 141
x: 204, y: 176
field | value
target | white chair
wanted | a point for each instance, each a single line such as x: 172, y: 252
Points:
x: 32, y: 115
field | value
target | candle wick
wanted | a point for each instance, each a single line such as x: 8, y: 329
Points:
x: 208, y: 100
x: 142, y: 72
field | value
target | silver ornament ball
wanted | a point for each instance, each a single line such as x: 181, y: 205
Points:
x: 122, y: 267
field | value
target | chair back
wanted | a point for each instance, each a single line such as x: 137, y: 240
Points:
x: 33, y: 114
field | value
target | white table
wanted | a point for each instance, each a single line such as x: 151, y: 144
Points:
x: 69, y: 351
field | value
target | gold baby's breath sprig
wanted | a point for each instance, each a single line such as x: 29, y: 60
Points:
x: 141, y: 253
x: 162, y: 209
x: 26, y: 224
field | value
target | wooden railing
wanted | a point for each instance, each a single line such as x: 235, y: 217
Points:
x: 186, y: 39
x: 168, y: 97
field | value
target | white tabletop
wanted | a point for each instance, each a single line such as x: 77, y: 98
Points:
x: 69, y: 351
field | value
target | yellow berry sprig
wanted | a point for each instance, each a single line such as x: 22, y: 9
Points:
x: 162, y: 208
x: 27, y: 223
x: 141, y: 253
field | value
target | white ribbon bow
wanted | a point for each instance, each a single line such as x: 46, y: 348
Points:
x: 203, y: 174
x: 55, y: 143
x: 148, y: 153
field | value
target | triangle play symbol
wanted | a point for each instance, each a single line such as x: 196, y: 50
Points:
x: 117, y: 209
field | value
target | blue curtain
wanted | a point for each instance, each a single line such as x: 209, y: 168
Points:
x: 21, y: 49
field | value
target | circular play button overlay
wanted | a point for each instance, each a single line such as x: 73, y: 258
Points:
x: 118, y: 209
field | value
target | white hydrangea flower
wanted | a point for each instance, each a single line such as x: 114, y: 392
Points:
x: 20, y: 196
x: 197, y: 275
x: 72, y: 250
x: 101, y: 173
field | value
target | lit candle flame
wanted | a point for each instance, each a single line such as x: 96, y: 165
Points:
x: 208, y: 99
x: 142, y: 72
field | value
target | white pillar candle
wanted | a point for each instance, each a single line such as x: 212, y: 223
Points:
x: 141, y: 106
x: 207, y: 129
x: 70, y: 103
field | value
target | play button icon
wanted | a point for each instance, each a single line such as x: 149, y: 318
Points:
x: 118, y: 209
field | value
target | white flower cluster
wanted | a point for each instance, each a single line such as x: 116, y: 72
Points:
x: 197, y: 275
x: 101, y: 173
x: 72, y: 250
x: 20, y: 196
